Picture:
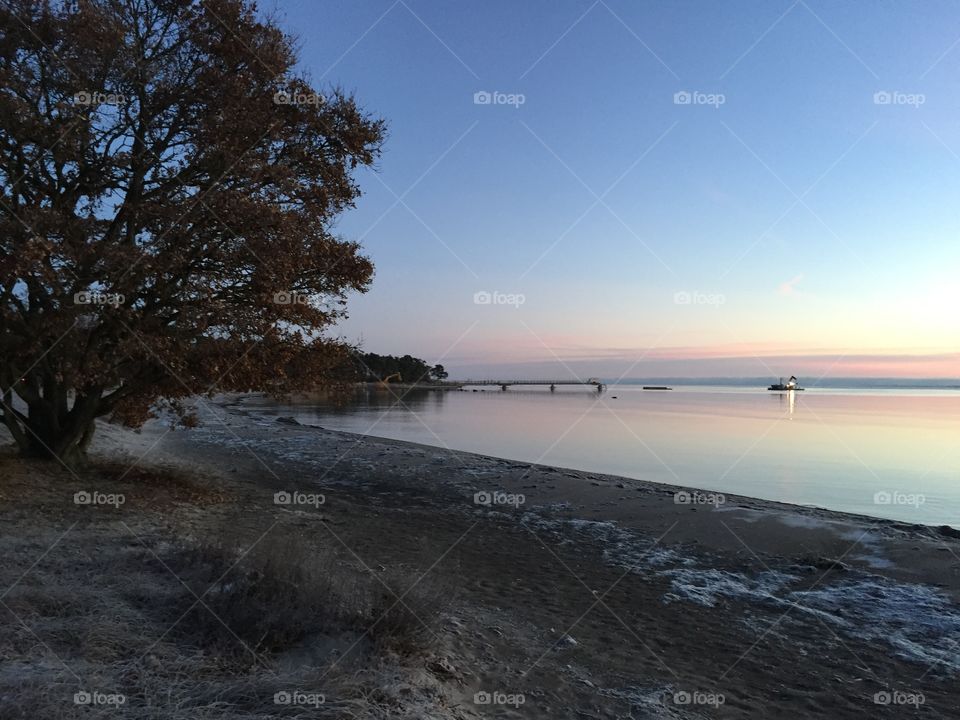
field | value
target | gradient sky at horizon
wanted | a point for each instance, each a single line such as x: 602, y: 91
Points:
x: 798, y: 227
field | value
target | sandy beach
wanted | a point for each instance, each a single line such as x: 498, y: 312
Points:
x: 533, y: 591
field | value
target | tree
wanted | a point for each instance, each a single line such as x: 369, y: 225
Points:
x: 373, y: 367
x: 169, y: 181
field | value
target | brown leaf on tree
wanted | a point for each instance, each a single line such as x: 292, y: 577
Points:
x: 169, y: 184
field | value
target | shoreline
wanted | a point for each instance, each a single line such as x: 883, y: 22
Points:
x: 595, y: 595
x: 738, y: 524
x: 623, y: 518
x: 936, y: 529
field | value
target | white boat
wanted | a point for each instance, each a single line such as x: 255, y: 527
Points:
x: 791, y: 384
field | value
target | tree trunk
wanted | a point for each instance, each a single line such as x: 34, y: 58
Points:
x: 67, y: 444
x: 50, y: 431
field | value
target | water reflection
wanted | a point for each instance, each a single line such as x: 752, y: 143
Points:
x: 830, y: 448
x: 381, y: 399
x: 788, y: 401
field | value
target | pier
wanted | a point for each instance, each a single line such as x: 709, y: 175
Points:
x: 504, y: 384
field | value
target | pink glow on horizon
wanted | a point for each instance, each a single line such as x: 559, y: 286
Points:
x: 732, y: 359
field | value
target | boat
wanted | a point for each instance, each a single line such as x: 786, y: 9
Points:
x: 790, y: 385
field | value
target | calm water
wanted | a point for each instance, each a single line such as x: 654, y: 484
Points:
x: 831, y: 448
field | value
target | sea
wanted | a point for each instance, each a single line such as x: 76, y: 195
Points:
x: 888, y: 449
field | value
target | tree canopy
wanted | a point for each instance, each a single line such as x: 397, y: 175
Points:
x: 372, y: 367
x: 168, y: 181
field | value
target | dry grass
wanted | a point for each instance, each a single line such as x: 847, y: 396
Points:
x: 157, y: 484
x: 271, y: 598
x: 198, y: 629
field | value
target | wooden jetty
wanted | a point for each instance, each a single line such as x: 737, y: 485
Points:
x: 504, y: 384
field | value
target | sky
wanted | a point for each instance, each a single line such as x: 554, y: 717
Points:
x: 641, y: 189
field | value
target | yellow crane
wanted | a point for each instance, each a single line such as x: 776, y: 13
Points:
x: 385, y: 383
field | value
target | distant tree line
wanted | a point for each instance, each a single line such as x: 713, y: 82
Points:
x: 372, y: 367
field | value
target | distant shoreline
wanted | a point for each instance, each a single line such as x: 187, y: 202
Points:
x: 840, y: 383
